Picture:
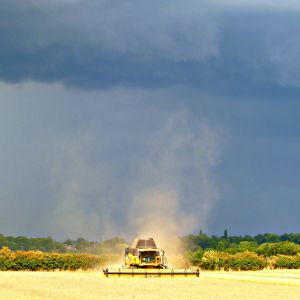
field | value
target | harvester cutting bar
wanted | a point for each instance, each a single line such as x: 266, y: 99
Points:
x: 126, y: 272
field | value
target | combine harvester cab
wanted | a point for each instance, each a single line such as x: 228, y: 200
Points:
x: 144, y: 259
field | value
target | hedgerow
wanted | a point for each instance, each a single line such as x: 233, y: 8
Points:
x: 245, y: 261
x: 213, y: 260
x: 287, y: 262
x: 37, y: 260
x: 284, y: 248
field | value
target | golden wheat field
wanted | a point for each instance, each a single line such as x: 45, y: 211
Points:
x: 91, y: 285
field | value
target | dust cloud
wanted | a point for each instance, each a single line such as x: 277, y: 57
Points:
x: 156, y: 213
x: 165, y: 191
x: 178, y: 192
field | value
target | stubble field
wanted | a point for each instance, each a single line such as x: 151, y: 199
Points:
x: 91, y: 285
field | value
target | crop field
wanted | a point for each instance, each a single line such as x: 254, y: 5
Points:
x: 275, y: 284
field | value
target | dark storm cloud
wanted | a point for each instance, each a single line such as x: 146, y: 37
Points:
x: 203, y: 44
x: 201, y: 112
x: 80, y: 162
x: 102, y: 42
x: 78, y: 168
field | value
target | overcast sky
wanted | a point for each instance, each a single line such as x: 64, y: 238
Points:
x: 181, y: 114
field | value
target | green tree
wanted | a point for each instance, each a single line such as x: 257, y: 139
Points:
x: 225, y: 234
x: 247, y: 246
x: 196, y: 257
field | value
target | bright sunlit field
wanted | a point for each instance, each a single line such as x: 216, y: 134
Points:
x: 91, y: 285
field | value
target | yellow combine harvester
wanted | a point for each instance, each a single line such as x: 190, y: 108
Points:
x: 144, y: 259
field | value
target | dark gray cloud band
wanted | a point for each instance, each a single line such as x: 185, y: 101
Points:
x: 215, y: 45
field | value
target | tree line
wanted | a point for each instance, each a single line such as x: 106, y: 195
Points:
x: 79, y: 245
x: 243, y: 252
x: 231, y: 244
x: 226, y: 241
x: 207, y: 252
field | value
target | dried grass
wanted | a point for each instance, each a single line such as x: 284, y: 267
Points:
x: 211, y: 285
